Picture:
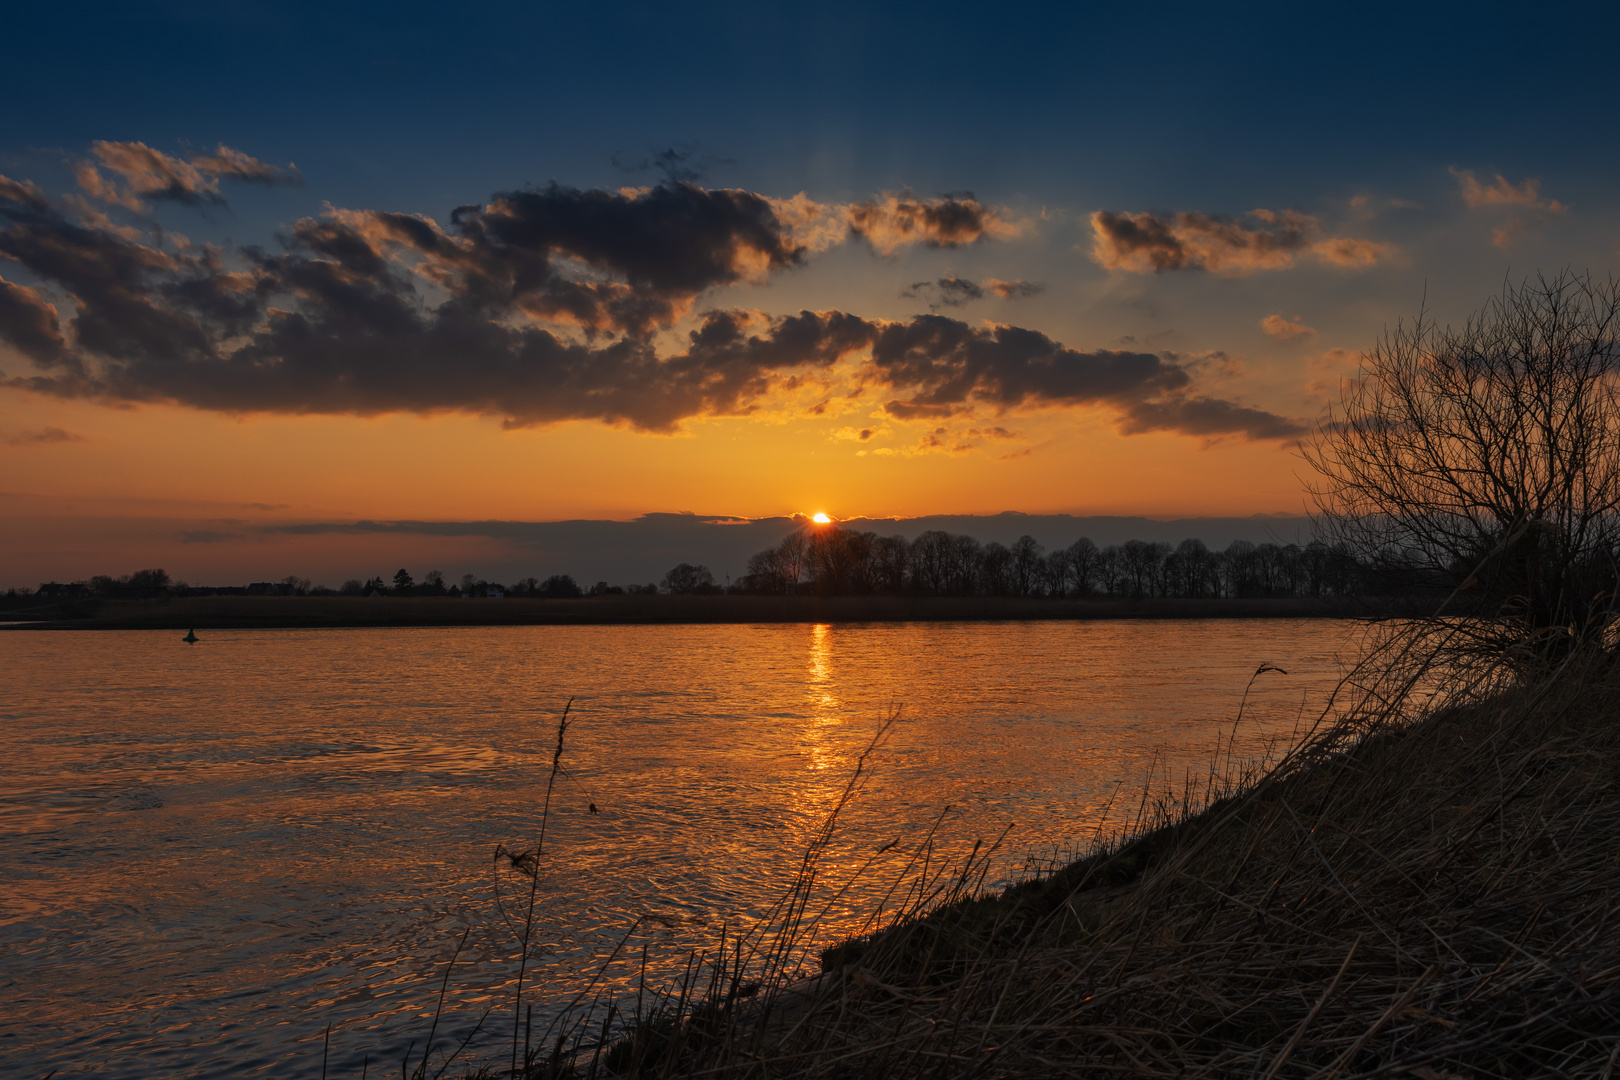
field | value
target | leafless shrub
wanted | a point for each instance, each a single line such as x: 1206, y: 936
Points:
x: 1480, y: 467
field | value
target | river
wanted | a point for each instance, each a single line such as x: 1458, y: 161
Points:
x: 210, y: 853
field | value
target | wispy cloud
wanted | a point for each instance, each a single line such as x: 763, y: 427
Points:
x: 1285, y: 329
x: 1499, y: 191
x: 139, y: 172
x: 953, y: 291
x: 683, y: 163
x: 43, y: 435
x: 1267, y: 240
x: 1017, y: 289
x: 1522, y: 202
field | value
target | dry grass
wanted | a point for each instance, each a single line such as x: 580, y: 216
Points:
x: 1413, y: 892
x: 1424, y: 887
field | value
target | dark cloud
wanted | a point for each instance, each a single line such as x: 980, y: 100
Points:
x: 671, y: 237
x: 367, y: 312
x: 896, y: 220
x: 605, y: 261
x: 28, y: 322
x: 947, y: 362
x: 949, y: 291
x: 1207, y: 416
x: 949, y: 365
x: 1269, y: 240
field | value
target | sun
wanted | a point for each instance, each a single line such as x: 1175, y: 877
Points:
x: 821, y: 519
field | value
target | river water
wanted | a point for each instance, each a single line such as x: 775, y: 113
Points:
x: 210, y: 853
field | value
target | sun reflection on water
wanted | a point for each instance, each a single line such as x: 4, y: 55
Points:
x: 825, y: 705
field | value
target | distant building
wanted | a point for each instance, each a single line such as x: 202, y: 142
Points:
x: 56, y: 591
x: 264, y: 588
x: 494, y: 592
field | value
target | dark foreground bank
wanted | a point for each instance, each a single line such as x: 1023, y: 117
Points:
x: 245, y: 612
x: 1435, y: 899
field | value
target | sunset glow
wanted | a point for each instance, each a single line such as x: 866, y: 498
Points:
x: 612, y: 312
x: 820, y: 519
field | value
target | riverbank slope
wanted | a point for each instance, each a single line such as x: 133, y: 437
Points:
x: 1435, y: 899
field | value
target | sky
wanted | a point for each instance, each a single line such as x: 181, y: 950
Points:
x: 271, y: 271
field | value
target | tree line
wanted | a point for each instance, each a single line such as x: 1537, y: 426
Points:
x: 833, y: 561
x: 829, y: 560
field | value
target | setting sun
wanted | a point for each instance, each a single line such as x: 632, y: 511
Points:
x: 821, y: 519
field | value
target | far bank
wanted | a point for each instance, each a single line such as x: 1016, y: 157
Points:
x: 269, y: 612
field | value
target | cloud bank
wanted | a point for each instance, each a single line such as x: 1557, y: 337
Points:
x: 539, y: 305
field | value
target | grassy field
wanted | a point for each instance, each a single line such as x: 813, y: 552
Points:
x: 218, y: 612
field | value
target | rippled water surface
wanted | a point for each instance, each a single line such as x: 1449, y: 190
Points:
x: 209, y: 853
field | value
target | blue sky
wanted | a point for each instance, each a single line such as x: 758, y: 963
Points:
x: 1155, y: 105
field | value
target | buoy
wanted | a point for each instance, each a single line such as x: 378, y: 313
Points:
x: 190, y: 638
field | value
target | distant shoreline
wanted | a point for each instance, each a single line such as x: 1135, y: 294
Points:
x: 279, y: 612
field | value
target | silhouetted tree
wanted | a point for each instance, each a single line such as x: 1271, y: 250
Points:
x: 1026, y: 564
x: 995, y: 570
x: 1058, y: 573
x: 793, y: 555
x: 765, y: 574
x: 560, y: 587
x: 967, y: 554
x: 1483, y: 463
x: 932, y: 555
x: 402, y: 581
x: 1085, y: 565
x: 840, y: 561
x: 1140, y: 560
x: 149, y: 579
x: 1191, y: 569
x: 891, y: 563
x: 687, y: 579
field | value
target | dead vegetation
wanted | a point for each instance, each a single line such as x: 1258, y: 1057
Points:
x: 1418, y: 890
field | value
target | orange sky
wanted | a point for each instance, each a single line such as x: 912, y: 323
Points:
x: 467, y: 467
x: 677, y: 347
